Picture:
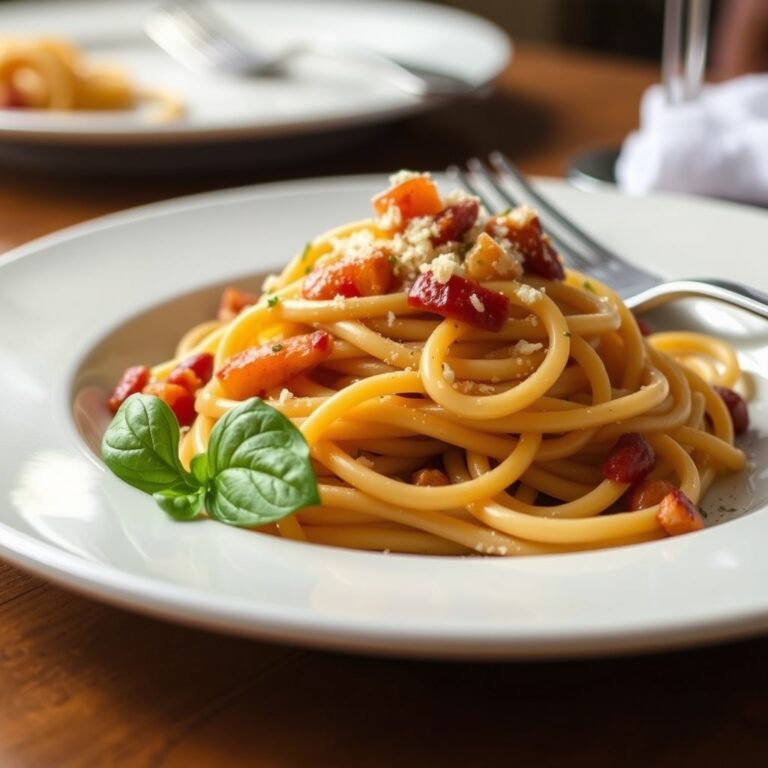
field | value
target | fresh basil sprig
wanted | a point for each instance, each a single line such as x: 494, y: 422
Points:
x: 256, y: 469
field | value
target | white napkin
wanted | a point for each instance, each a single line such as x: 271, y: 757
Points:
x: 716, y: 145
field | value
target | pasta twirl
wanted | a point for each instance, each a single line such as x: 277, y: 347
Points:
x: 438, y: 424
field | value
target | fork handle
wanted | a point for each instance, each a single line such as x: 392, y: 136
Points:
x: 725, y: 291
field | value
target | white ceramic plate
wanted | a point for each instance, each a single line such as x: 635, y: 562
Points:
x: 70, y: 308
x: 315, y: 95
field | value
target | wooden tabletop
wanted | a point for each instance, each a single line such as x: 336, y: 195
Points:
x: 84, y: 684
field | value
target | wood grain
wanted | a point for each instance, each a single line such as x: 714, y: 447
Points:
x: 83, y: 684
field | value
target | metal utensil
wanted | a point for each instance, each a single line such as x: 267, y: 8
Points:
x: 640, y: 289
x: 201, y: 40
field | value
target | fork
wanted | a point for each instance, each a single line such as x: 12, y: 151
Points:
x: 199, y: 39
x: 641, y: 290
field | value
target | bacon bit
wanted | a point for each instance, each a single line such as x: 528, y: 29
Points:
x: 677, y: 514
x: 453, y: 222
x: 643, y: 327
x: 430, y: 477
x: 350, y: 277
x: 453, y: 299
x: 630, y: 460
x: 415, y: 197
x: 177, y: 398
x: 737, y: 407
x: 646, y: 493
x: 233, y: 302
x: 133, y: 380
x: 257, y: 369
x: 525, y: 233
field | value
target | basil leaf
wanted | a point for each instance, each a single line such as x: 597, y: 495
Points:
x: 259, y: 467
x: 141, y: 446
x: 199, y: 467
x: 181, y: 505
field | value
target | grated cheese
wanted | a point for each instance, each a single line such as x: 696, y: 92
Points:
x: 475, y: 301
x: 443, y: 267
x: 524, y: 347
x: 285, y: 395
x: 528, y: 294
x: 448, y: 373
x: 390, y: 318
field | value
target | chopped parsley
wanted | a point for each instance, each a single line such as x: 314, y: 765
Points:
x: 272, y: 301
x: 305, y: 251
x: 277, y: 348
x: 589, y: 287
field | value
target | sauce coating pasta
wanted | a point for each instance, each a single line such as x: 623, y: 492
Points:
x: 463, y: 393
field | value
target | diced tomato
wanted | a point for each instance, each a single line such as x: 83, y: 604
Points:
x: 455, y: 221
x: 677, y: 514
x: 646, y: 493
x: 233, y: 301
x: 186, y: 378
x: 430, y: 477
x: 192, y: 372
x: 523, y: 230
x: 132, y: 381
x: 350, y: 277
x: 256, y: 369
x: 630, y: 460
x: 415, y: 197
x: 180, y: 401
x: 737, y: 407
x: 460, y: 299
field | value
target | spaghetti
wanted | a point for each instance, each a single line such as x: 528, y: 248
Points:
x: 51, y: 74
x: 461, y: 392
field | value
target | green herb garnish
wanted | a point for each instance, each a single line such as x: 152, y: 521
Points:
x: 277, y: 347
x: 256, y: 469
x: 588, y: 286
x: 272, y: 301
x: 305, y: 251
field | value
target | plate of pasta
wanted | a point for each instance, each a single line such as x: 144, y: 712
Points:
x: 406, y: 428
x: 80, y: 73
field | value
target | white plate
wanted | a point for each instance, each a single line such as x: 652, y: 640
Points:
x: 315, y: 95
x: 65, y: 518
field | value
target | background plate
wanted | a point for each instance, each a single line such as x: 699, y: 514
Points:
x: 315, y: 95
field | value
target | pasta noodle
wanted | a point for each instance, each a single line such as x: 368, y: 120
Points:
x: 437, y: 435
x: 52, y: 74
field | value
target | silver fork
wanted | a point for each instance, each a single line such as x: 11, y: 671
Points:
x: 641, y: 290
x: 199, y: 39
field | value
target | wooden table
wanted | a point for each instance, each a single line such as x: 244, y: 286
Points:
x: 82, y: 684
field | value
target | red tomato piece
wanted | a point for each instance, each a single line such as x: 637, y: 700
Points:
x: 630, y: 460
x: 455, y: 221
x: 233, y: 301
x: 415, y: 197
x: 677, y: 514
x: 646, y: 493
x: 133, y: 380
x: 192, y: 372
x: 737, y: 407
x: 460, y: 299
x: 350, y: 277
x: 525, y: 233
x: 254, y: 370
x: 178, y: 399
